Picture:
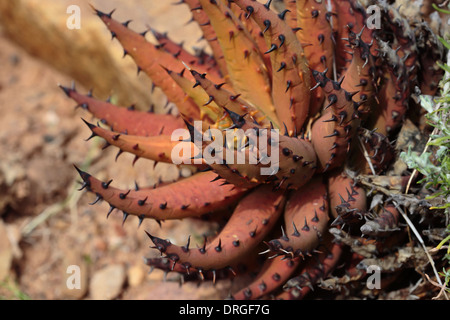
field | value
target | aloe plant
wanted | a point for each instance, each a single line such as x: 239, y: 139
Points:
x: 312, y: 71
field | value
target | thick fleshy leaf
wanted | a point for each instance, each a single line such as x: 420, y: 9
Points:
x: 315, y: 19
x: 274, y: 274
x: 209, y: 34
x: 318, y: 267
x: 157, y: 148
x: 127, y: 120
x: 347, y: 199
x: 290, y: 76
x: 246, y: 68
x: 361, y: 75
x: 200, y: 61
x: 333, y: 132
x: 209, y: 110
x: 253, y: 218
x: 306, y: 219
x: 347, y: 23
x: 225, y: 100
x: 189, y: 197
x: 150, y: 59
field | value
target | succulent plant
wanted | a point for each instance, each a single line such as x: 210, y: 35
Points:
x: 338, y: 91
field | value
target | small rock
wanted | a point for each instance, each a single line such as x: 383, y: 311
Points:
x: 136, y: 275
x: 107, y: 283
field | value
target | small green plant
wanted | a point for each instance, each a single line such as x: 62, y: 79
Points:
x: 434, y: 165
x: 12, y: 291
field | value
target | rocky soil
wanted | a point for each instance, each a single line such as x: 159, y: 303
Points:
x: 46, y: 225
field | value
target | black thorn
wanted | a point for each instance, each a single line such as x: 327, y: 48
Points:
x: 124, y: 195
x: 305, y: 227
x: 125, y: 216
x: 203, y: 249
x: 282, y: 66
x: 267, y: 24
x: 84, y: 175
x: 250, y: 10
x: 111, y: 208
x: 334, y: 134
x: 238, y: 120
x: 97, y: 199
x: 296, y: 233
x: 211, y: 98
x: 288, y: 85
x: 218, y: 248
x: 286, y: 131
x: 332, y: 119
x: 219, y: 86
x: 105, y: 185
x: 142, y: 201
x: 141, y: 219
x: 350, y: 95
x: 163, y: 206
x: 186, y: 247
x: 91, y: 127
x: 332, y: 99
x: 118, y: 154
x: 315, y: 218
x: 321, y: 38
x: 273, y: 47
x: 283, y: 235
x: 66, y: 90
x: 126, y: 23
x: 282, y: 14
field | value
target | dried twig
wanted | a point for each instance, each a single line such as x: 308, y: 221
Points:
x: 366, y: 155
x: 422, y: 243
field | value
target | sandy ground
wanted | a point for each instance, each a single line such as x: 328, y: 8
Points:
x: 46, y: 225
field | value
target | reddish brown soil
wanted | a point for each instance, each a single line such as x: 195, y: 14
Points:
x: 41, y: 136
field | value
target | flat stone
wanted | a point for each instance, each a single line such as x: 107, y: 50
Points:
x: 107, y: 283
x: 136, y: 275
